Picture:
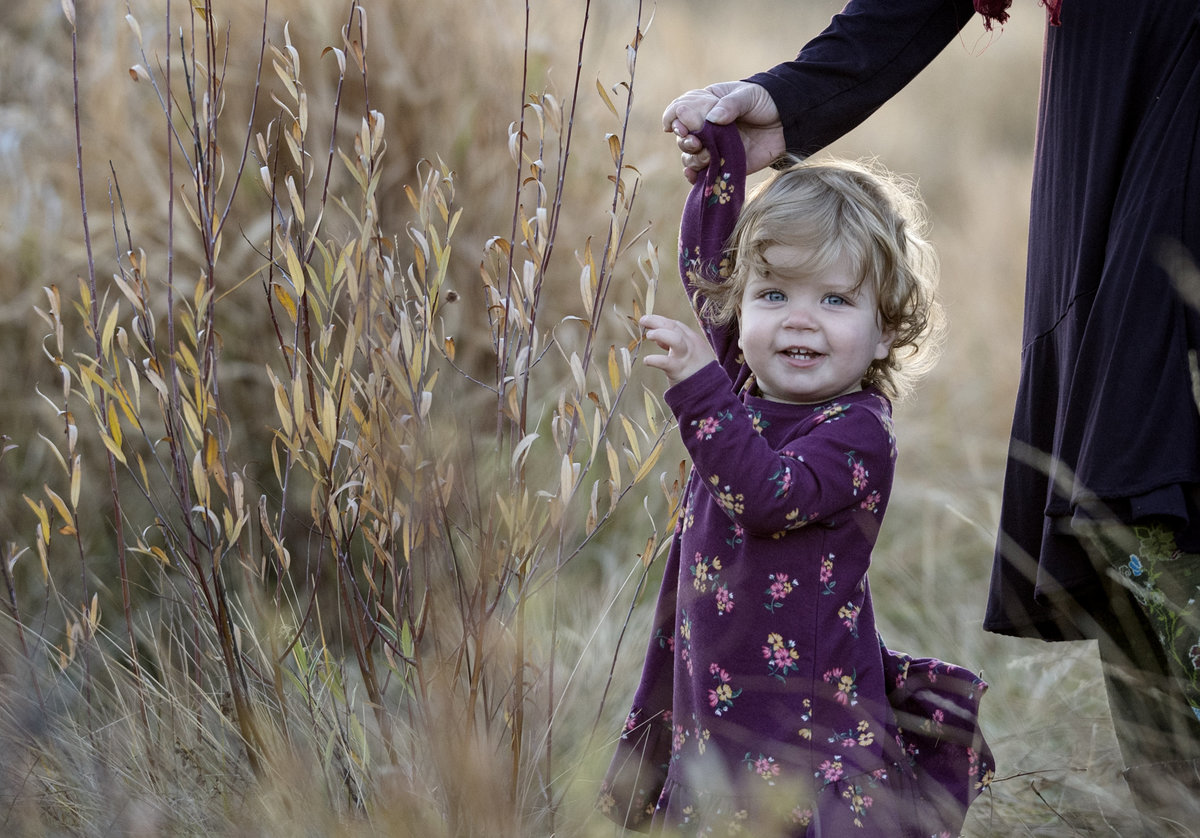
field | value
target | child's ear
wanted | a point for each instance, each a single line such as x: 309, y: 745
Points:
x: 886, y: 338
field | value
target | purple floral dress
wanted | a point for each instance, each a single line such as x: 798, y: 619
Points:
x: 768, y: 704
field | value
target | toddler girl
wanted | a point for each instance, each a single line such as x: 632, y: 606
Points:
x: 767, y: 704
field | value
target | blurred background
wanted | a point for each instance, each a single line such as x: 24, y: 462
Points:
x: 449, y: 79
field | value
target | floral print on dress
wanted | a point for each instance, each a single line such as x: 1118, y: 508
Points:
x: 828, y: 583
x: 859, y: 802
x: 805, y: 733
x: 700, y: 734
x: 721, y: 191
x: 724, y: 598
x: 1166, y: 584
x: 777, y: 591
x: 858, y: 472
x: 847, y: 689
x: 707, y: 427
x: 720, y: 697
x: 848, y: 614
x: 756, y: 420
x: 782, y: 479
x: 831, y: 412
x: 726, y: 498
x: 684, y: 647
x: 831, y: 770
x: 980, y: 771
x: 781, y: 656
x: 861, y: 737
x: 763, y: 766
x: 705, y: 571
x: 687, y: 518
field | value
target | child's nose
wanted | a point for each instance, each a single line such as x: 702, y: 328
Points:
x: 799, y: 316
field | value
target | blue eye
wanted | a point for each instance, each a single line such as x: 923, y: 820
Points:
x: 835, y: 300
x: 774, y: 296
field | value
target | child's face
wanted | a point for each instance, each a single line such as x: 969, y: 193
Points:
x: 808, y: 339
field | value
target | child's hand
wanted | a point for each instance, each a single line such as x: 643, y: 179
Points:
x: 687, y: 350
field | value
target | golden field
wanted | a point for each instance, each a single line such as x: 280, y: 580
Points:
x: 332, y: 481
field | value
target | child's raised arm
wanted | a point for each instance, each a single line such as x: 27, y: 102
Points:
x: 709, y: 216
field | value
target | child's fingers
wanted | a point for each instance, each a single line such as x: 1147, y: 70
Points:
x: 658, y: 362
x: 661, y: 330
x: 654, y: 321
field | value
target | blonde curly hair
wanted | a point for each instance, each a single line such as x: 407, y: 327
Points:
x: 833, y: 209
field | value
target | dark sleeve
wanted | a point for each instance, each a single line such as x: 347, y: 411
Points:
x: 871, y: 50
x: 709, y: 216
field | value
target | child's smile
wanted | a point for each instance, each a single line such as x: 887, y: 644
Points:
x: 808, y: 337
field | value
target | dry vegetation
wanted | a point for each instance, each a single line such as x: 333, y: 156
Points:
x: 331, y: 478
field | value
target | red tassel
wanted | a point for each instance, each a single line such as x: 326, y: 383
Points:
x: 993, y: 11
x: 996, y: 11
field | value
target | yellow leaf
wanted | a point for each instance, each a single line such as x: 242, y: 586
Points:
x: 191, y: 421
x: 298, y: 411
x: 297, y: 204
x: 39, y: 509
x: 614, y: 147
x: 577, y: 373
x: 567, y: 476
x: 521, y: 449
x: 295, y: 270
x: 210, y: 451
x: 649, y: 462
x: 647, y: 554
x: 76, y: 480
x: 605, y: 97
x: 113, y: 448
x: 593, y: 516
x: 587, y: 290
x: 114, y: 424
x: 136, y: 27
x: 110, y: 326
x: 632, y: 437
x: 200, y: 481
x: 127, y: 401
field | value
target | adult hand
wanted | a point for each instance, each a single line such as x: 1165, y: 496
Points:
x: 747, y: 104
x: 688, y: 351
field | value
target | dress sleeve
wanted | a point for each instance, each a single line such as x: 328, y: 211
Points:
x: 709, y: 216
x: 839, y: 461
x: 866, y: 55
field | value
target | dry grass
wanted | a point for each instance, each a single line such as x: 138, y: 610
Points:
x: 335, y: 601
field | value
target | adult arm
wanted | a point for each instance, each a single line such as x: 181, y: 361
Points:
x: 867, y: 54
